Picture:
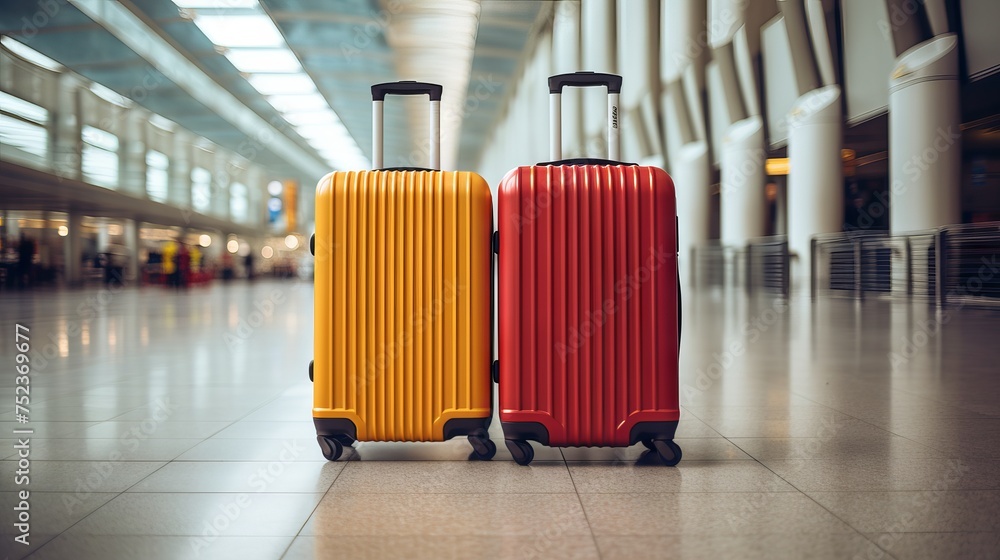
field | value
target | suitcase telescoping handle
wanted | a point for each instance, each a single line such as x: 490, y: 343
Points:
x: 584, y: 79
x: 379, y: 91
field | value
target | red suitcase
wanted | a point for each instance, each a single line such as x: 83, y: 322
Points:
x: 588, y: 298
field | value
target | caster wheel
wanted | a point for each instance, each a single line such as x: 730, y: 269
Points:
x: 331, y: 448
x: 310, y: 370
x: 496, y: 371
x: 521, y: 450
x: 669, y: 452
x: 312, y: 244
x: 483, y: 448
x: 648, y: 443
x: 346, y: 441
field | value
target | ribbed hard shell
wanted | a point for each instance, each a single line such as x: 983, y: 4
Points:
x: 402, y: 296
x: 587, y: 302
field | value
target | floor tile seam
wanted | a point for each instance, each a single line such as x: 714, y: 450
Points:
x: 253, y: 492
x: 251, y: 411
x: 905, y: 392
x: 583, y: 509
x: 49, y: 538
x: 997, y: 532
x: 935, y: 400
x: 867, y: 422
x: 824, y: 508
x: 78, y: 521
x: 922, y: 491
x: 298, y: 532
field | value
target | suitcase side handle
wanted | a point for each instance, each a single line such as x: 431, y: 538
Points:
x: 406, y: 87
x: 584, y: 79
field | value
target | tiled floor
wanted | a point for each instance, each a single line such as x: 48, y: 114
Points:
x: 177, y: 425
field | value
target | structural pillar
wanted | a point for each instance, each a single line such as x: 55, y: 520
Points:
x: 598, y: 45
x: 131, y: 235
x: 743, y: 200
x: 103, y: 235
x: 925, y: 137
x: 815, y: 178
x: 13, y: 226
x: 691, y: 181
x: 179, y: 190
x: 67, y: 153
x: 74, y: 249
x: 132, y: 169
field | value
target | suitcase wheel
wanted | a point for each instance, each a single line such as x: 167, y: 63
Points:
x: 669, y: 452
x: 346, y: 441
x: 310, y: 370
x: 331, y: 448
x: 483, y: 448
x: 496, y: 371
x: 521, y: 450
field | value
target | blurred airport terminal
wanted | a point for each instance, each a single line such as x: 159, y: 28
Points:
x: 837, y: 172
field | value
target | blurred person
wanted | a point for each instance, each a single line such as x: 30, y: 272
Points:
x: 115, y: 259
x: 248, y: 261
x: 183, y: 265
x: 227, y: 266
x: 170, y: 269
x: 25, y: 256
x: 196, y: 259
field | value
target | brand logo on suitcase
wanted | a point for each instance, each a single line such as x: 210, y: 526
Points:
x: 614, y: 117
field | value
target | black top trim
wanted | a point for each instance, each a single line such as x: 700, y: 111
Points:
x: 583, y: 161
x: 406, y: 87
x: 585, y: 79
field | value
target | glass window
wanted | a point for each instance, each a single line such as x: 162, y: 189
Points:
x: 238, y: 204
x: 22, y: 130
x: 100, y: 157
x: 201, y: 189
x: 156, y: 175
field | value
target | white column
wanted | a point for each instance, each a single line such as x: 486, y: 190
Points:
x: 66, y: 155
x: 691, y: 181
x: 103, y: 236
x: 566, y: 58
x: 925, y: 150
x: 131, y: 236
x: 10, y: 221
x: 815, y: 179
x: 639, y: 60
x: 221, y: 179
x: 132, y: 153
x: 743, y: 204
x: 74, y: 249
x: 599, y: 55
x: 179, y: 190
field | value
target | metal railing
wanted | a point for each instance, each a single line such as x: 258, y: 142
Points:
x: 768, y: 265
x: 961, y: 259
x: 709, y: 265
x: 853, y: 263
x: 763, y: 264
x: 968, y: 265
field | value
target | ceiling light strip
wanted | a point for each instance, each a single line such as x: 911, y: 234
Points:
x: 139, y: 37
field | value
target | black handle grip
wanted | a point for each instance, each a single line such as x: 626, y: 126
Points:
x: 585, y: 79
x: 407, y: 87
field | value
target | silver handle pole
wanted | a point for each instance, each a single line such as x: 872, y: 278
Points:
x: 435, y: 135
x: 614, y: 132
x: 376, y: 134
x: 555, y: 126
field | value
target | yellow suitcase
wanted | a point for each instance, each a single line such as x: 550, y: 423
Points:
x: 403, y: 300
